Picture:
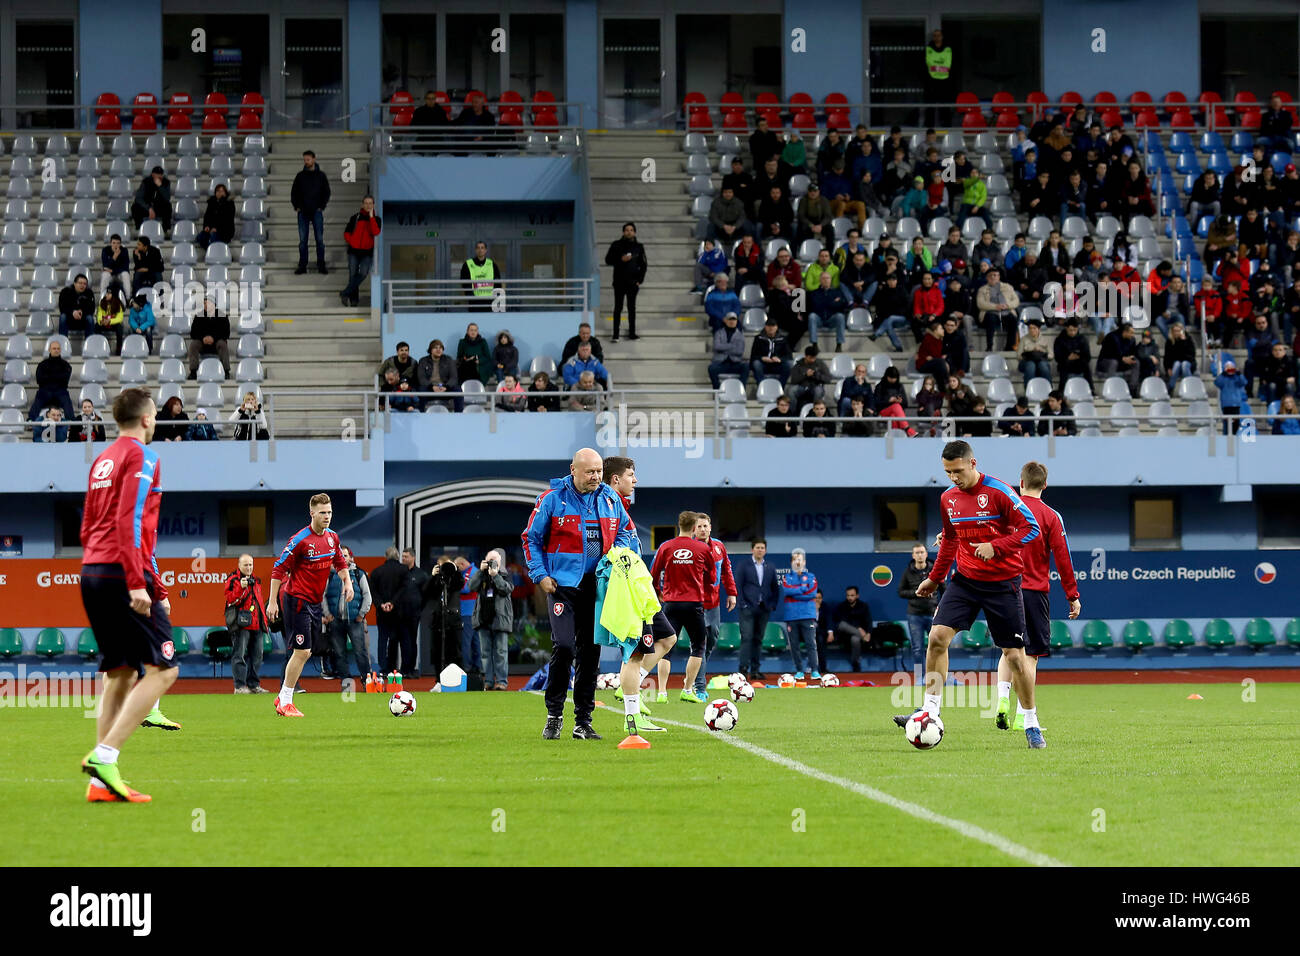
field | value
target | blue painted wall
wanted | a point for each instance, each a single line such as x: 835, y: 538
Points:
x: 365, y: 53
x: 833, y: 62
x: 120, y: 49
x: 1152, y: 45
x: 499, y: 179
x: 581, y: 58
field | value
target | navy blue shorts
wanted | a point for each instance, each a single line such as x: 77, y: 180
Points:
x: 1038, y: 623
x: 302, y: 622
x: 964, y: 599
x: 688, y: 616
x: 125, y: 639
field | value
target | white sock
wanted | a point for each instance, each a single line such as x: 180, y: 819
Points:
x: 157, y: 704
x: 1020, y: 708
x: 931, y: 703
x: 632, y: 704
x: 95, y: 782
x: 286, y: 695
x: 106, y: 753
x: 1004, y: 688
x: 644, y: 674
x: 1031, y: 718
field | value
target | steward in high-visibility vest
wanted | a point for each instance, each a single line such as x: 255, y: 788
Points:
x: 479, y: 275
x: 938, y: 82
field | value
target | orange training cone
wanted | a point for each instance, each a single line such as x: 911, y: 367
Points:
x: 1195, y: 697
x: 634, y: 742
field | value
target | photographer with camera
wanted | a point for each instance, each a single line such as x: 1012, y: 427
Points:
x: 245, y: 620
x: 251, y: 422
x: 493, y: 617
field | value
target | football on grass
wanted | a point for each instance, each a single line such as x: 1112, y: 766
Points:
x: 401, y: 704
x: 607, y: 682
x: 736, y: 679
x: 924, y: 730
x: 830, y: 680
x: 785, y: 680
x: 721, y: 715
x: 742, y: 692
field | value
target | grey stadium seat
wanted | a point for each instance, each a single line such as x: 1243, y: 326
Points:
x: 751, y: 296
x: 255, y: 145
x: 18, y: 347
x: 1129, y: 431
x: 210, y: 395
x: 1198, y: 412
x: 841, y: 366
x: 731, y: 391
x: 44, y: 277
x: 252, y: 253
x: 132, y: 372
x: 83, y: 210
x: 753, y: 320
x: 1153, y: 390
x: 808, y: 250
x: 694, y: 143
x: 42, y: 325
x: 135, y: 347
x: 222, y: 146
x: 25, y: 145
x: 907, y: 229
x: 48, y: 232
x: 167, y: 390
x: 252, y: 210
x: 21, y: 188
x: 43, y: 300
x: 96, y: 347
x: 250, y: 346
x: 859, y: 320
x: 172, y: 370
x: 187, y: 187
x: 184, y: 232
x: 938, y: 228
x: 218, y: 254
x: 189, y: 145
x: 210, y: 370
x: 16, y: 370
x: 1123, y: 414
x: 1040, y: 227
x: 995, y: 366
x: 1077, y: 390
x: 154, y: 230
x: 80, y: 258
x: 173, y: 346
x: 11, y: 277
x: 51, y: 210
x: 94, y: 370
x: 543, y: 363
x: 1115, y: 389
x: 1191, y: 389
x: 1038, y: 389
x: 1161, y: 414
x: 82, y: 231
x: 95, y: 392
x: 187, y: 210
x: 877, y: 364
x: 217, y: 275
x: 187, y: 166
x: 88, y: 166
x: 250, y: 321
x: 8, y: 323
x: 249, y: 370
x: 122, y: 145
x: 13, y: 395
x: 1001, y: 390
x: 11, y: 425
x: 769, y: 390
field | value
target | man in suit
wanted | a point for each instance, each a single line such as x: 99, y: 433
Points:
x: 759, y: 594
x: 386, y: 585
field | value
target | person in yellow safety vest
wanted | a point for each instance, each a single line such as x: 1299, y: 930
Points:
x: 938, y: 79
x: 480, y: 275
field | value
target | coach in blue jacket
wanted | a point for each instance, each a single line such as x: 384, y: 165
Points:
x: 573, y: 525
x: 759, y: 595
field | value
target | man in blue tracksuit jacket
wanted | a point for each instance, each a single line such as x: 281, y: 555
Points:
x: 573, y: 525
x: 798, y: 601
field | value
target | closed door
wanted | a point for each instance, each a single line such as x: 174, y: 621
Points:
x: 633, y: 73
x: 312, y: 73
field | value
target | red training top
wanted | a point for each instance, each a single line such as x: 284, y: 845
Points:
x: 727, y: 582
x: 307, y: 561
x: 991, y: 511
x: 119, y: 524
x: 1038, y: 553
x: 686, y: 566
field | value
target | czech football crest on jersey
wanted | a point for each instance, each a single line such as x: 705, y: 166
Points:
x: 982, y: 501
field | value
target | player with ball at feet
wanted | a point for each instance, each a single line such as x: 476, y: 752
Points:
x: 305, y: 562
x: 985, y: 526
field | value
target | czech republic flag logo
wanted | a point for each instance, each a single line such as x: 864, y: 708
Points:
x: 1265, y: 573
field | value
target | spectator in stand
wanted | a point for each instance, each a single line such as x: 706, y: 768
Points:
x: 431, y: 115
x: 936, y: 199
x: 1018, y: 421
x: 861, y: 425
x: 359, y: 234
x: 928, y: 165
x: 1118, y: 356
x: 816, y: 424
x: 1074, y: 197
x: 750, y: 266
x: 1259, y: 345
x: 52, y: 427
x: 1204, y: 200
x: 1135, y: 192
x: 794, y: 153
x: 309, y: 196
x: 719, y: 301
x: 893, y: 409
x: 392, y: 387
x: 998, y: 304
x: 728, y: 351
x: 209, y: 335
x: 776, y: 215
x: 77, y: 307
x: 869, y: 178
x: 780, y: 300
x: 1086, y: 264
x: 1036, y: 198
x: 513, y: 397
x: 583, y: 361
x: 851, y: 246
x: 172, y: 421
x: 808, y: 379
x: 977, y: 429
x: 920, y: 610
x: 711, y: 263
x: 584, y: 335
x: 146, y: 265
x: 201, y: 429
x: 769, y: 174
x: 478, y: 123
x: 813, y: 219
x: 1209, y: 302
x: 830, y: 152
x: 727, y: 218
x: 436, y: 372
x: 90, y: 426
x: 1055, y: 417
x: 542, y: 403
x: 1027, y: 175
x: 918, y: 260
x: 769, y: 356
x: 1072, y: 353
x: 929, y: 354
x: 763, y: 144
x: 959, y: 396
x: 889, y: 389
x: 1171, y: 305
x: 955, y: 351
x: 116, y: 270
x: 1287, y: 426
x: 140, y: 319
x: 1252, y: 234
x: 953, y: 248
x: 927, y: 304
x: 1291, y: 308
x: 153, y: 200
x: 1055, y: 258
x: 584, y: 395
x: 839, y: 189
x: 855, y: 386
x: 52, y: 377
x: 472, y: 357
x: 1236, y: 313
x: 109, y: 319
x: 1034, y: 360
x: 988, y: 248
x: 827, y: 304
x: 858, y: 280
x: 505, y: 356
x: 1101, y: 192
x: 929, y: 403
x: 974, y: 199
x: 1029, y: 279
x: 891, y: 302
x: 1275, y: 128
x: 1220, y: 239
x: 627, y: 256
x: 407, y: 370
x: 1148, y: 355
x: 898, y: 175
x: 218, y: 218
x: 783, y: 420
x: 741, y: 183
x: 1277, y: 374
x: 1232, y: 391
x: 910, y: 201
x: 1180, y: 356
x: 479, y: 276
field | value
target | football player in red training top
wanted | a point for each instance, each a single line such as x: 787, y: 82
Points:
x: 722, y: 581
x: 306, y: 562
x: 1037, y: 557
x: 985, y: 527
x: 122, y: 590
x: 683, y: 574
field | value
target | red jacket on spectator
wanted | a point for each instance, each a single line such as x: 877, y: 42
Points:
x: 791, y: 272
x: 1230, y: 273
x: 927, y: 301
x: 751, y: 260
x: 931, y: 348
x: 1212, y: 301
x: 1237, y: 308
x: 895, y: 410
x: 247, y: 598
x: 360, y: 233
x: 1125, y: 275
x: 937, y: 192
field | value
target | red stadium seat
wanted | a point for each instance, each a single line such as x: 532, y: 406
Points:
x: 1111, y: 117
x: 470, y: 94
x: 251, y: 108
x: 145, y: 103
x: 144, y: 123
x: 733, y: 121
x: 1182, y: 120
x: 1140, y: 98
x: 974, y: 121
x: 1146, y: 119
x: 836, y: 99
x: 700, y: 120
x: 214, y: 113
x: 967, y: 102
x: 732, y: 98
x: 1071, y: 99
x: 181, y: 103
x: 543, y: 96
x: 803, y: 121
x: 769, y: 109
x: 443, y: 100
x: 510, y: 96
x: 1007, y: 119
x: 1002, y: 97
x: 1248, y: 118
x: 1245, y: 98
x: 401, y: 108
x: 178, y: 122
x: 1039, y: 101
x: 1174, y: 101
x: 838, y: 119
x: 1105, y: 98
x: 511, y: 116
x: 107, y: 104
x: 695, y: 97
x: 545, y: 118
x: 108, y: 123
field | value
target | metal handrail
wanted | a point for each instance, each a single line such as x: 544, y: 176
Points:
x: 518, y: 295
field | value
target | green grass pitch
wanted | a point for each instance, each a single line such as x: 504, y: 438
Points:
x: 468, y: 780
